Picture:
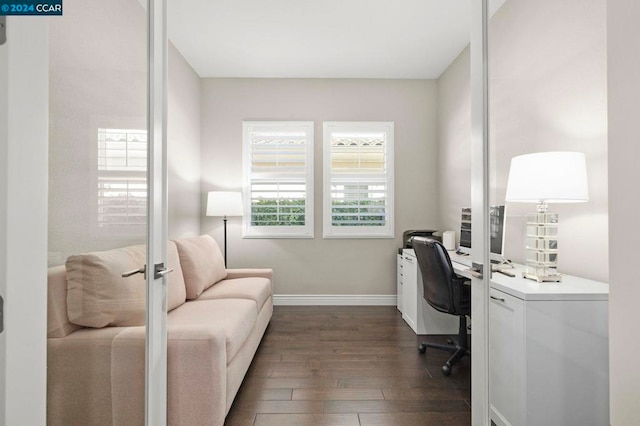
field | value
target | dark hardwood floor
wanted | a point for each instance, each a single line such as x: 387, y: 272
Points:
x: 329, y: 365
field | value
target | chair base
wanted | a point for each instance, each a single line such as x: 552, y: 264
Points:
x: 459, y: 350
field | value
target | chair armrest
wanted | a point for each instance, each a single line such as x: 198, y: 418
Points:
x: 245, y: 273
x: 196, y: 375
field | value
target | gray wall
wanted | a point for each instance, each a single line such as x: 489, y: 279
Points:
x: 318, y: 266
x: 624, y: 203
x: 183, y: 147
x: 98, y: 79
x: 454, y: 141
x: 547, y: 93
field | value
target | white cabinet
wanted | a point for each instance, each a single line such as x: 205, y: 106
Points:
x: 506, y: 355
x: 409, y: 290
x: 416, y: 312
x: 399, y: 291
x: 548, y: 353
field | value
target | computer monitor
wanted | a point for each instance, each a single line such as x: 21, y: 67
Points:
x: 496, y: 232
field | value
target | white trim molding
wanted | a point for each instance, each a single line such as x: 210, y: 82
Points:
x: 335, y: 299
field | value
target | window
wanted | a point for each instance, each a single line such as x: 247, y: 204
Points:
x: 122, y: 182
x: 278, y: 179
x: 358, y: 180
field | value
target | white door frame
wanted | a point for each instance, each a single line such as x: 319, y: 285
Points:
x: 157, y: 234
x: 24, y: 145
x: 480, y: 207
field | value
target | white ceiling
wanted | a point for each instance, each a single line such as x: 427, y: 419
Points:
x: 320, y: 38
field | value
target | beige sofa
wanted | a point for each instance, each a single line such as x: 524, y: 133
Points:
x: 96, y: 335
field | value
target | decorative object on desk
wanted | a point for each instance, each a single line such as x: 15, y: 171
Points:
x: 224, y: 203
x: 449, y: 240
x: 546, y: 177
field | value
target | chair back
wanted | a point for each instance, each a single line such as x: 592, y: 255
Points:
x: 443, y: 289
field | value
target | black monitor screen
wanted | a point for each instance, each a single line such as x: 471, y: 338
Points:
x: 465, y: 228
x: 496, y: 228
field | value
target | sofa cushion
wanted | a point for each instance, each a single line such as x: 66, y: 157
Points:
x: 176, y: 288
x: 202, y: 264
x: 79, y: 378
x: 257, y: 289
x: 98, y: 296
x: 237, y: 317
x: 58, y: 324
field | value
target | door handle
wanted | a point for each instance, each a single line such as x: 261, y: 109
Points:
x: 142, y: 270
x: 160, y: 271
x: 474, y: 273
x: 1, y: 314
x: 477, y: 270
x: 499, y: 299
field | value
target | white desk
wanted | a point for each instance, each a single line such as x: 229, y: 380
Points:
x: 571, y: 287
x: 548, y: 350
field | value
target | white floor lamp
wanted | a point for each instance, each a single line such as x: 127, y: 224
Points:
x: 224, y: 203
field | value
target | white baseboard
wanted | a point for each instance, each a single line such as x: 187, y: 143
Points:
x: 335, y: 299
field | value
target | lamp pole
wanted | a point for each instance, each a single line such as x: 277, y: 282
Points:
x: 225, y: 204
x: 225, y: 240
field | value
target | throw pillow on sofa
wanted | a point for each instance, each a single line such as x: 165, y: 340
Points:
x: 98, y: 295
x: 202, y: 264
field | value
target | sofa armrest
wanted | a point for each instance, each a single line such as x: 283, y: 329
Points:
x: 246, y: 272
x: 196, y: 375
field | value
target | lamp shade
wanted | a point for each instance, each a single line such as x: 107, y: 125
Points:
x: 224, y: 203
x: 555, y: 177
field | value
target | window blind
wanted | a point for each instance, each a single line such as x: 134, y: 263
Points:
x: 122, y: 202
x: 358, y: 179
x: 122, y: 181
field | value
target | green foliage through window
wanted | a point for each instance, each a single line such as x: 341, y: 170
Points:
x: 278, y: 212
x: 358, y: 212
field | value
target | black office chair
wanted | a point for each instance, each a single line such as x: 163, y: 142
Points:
x: 444, y: 291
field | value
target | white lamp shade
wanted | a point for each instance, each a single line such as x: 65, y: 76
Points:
x: 224, y: 203
x: 555, y: 177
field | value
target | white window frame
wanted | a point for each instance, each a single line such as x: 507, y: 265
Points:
x: 330, y: 231
x: 251, y: 231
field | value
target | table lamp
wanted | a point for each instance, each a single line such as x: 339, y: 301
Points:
x: 542, y: 178
x: 224, y: 203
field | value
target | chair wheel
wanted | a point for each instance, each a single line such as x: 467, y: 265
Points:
x: 446, y: 370
x: 422, y: 348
